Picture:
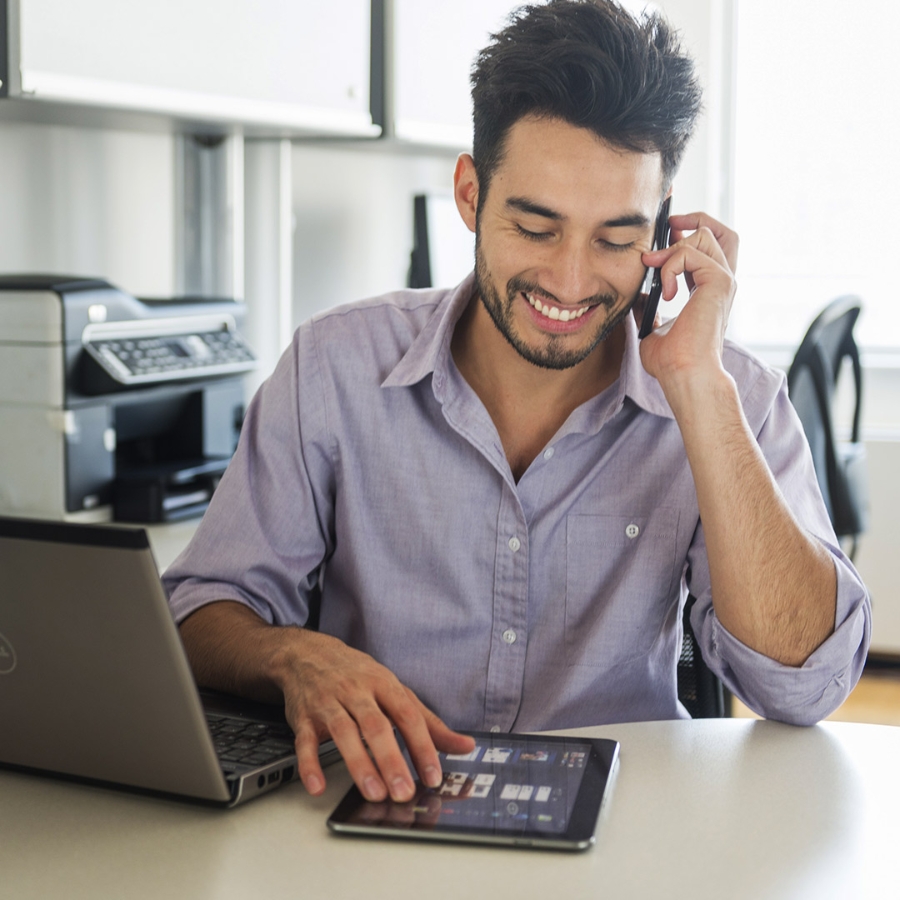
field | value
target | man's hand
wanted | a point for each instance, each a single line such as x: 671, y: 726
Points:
x: 332, y: 690
x: 329, y: 690
x: 707, y: 257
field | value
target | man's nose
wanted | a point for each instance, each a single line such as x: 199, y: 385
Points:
x: 572, y: 273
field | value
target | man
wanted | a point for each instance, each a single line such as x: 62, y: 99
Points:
x: 489, y: 504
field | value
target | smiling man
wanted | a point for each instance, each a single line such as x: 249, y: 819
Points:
x: 484, y: 508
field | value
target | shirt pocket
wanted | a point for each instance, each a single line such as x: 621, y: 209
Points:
x: 620, y: 583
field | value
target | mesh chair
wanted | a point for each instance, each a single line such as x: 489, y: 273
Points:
x: 812, y: 382
x: 699, y: 690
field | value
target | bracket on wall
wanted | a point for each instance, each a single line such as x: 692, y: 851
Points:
x: 209, y: 186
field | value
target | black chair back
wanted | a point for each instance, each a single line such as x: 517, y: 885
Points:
x: 699, y: 690
x: 812, y: 383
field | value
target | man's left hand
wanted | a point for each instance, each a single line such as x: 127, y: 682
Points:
x: 705, y: 252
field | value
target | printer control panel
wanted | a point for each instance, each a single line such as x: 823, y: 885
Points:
x: 142, y: 358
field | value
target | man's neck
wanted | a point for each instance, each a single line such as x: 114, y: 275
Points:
x: 528, y: 404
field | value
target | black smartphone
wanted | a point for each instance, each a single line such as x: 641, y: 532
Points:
x: 660, y: 240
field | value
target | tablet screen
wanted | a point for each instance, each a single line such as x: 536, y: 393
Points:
x: 521, y: 788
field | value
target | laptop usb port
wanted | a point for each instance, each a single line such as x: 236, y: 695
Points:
x: 273, y: 776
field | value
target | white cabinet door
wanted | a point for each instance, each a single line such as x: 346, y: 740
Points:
x: 297, y: 63
x: 435, y: 44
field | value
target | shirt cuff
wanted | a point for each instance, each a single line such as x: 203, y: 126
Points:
x: 799, y: 695
x: 188, y: 596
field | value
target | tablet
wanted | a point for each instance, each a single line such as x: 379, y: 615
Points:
x: 512, y: 789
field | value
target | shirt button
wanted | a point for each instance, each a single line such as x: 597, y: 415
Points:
x: 509, y: 636
x: 632, y: 531
x: 514, y: 544
x: 495, y: 729
x: 548, y: 453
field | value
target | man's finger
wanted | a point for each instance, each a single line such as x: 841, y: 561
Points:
x: 703, y: 270
x: 443, y: 736
x: 702, y: 239
x: 698, y: 255
x: 411, y: 718
x: 675, y: 237
x: 448, y: 740
x: 378, y: 732
x: 306, y: 744
x: 727, y: 239
x: 345, y: 730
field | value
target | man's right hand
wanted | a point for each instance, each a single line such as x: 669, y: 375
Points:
x: 329, y: 690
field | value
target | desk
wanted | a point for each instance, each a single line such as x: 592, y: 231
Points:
x: 169, y: 540
x: 711, y: 808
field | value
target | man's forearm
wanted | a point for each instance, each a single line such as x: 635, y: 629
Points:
x: 232, y: 649
x: 773, y: 586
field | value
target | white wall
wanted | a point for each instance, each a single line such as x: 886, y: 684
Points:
x: 88, y: 202
x: 353, y: 220
x: 878, y: 559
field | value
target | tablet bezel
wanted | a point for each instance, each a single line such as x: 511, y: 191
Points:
x: 593, y: 791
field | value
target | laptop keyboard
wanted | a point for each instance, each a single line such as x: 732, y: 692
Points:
x: 240, y: 742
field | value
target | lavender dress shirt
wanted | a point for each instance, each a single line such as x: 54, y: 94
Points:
x: 370, y: 490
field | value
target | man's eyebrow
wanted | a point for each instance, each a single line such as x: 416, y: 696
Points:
x: 633, y: 220
x: 523, y: 204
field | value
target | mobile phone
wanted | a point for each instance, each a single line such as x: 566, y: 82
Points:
x: 660, y: 240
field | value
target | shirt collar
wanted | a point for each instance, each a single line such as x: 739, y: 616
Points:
x: 430, y: 352
x: 634, y: 380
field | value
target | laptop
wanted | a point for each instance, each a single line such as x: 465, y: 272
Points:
x: 95, y: 683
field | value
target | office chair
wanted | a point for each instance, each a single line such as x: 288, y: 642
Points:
x: 812, y: 381
x: 699, y: 690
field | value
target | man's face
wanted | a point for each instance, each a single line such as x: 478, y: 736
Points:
x: 560, y: 236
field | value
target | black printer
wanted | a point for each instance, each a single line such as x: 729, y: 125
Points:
x: 115, y: 407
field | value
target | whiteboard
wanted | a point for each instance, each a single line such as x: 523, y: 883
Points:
x: 293, y: 62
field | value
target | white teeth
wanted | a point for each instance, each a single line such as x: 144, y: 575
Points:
x: 554, y: 312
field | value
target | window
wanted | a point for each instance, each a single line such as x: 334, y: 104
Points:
x: 817, y: 167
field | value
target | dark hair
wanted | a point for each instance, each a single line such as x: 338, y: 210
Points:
x: 591, y: 64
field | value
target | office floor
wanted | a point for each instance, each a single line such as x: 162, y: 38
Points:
x: 876, y: 700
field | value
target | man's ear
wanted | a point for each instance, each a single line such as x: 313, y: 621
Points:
x: 465, y: 189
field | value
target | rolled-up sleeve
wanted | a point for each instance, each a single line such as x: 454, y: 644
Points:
x: 268, y: 527
x: 797, y: 695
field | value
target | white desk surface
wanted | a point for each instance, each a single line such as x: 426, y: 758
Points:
x: 728, y: 808
x: 170, y: 539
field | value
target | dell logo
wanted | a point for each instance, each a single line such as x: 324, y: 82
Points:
x: 7, y: 656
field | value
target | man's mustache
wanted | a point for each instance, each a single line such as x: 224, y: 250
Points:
x: 518, y: 285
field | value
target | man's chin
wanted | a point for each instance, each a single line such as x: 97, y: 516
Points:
x: 552, y: 355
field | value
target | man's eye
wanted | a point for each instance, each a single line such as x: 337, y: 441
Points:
x: 532, y: 235
x: 617, y: 248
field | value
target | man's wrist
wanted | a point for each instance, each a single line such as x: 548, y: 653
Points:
x: 700, y: 396
x: 283, y: 654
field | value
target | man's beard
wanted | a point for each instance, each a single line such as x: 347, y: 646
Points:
x: 553, y: 355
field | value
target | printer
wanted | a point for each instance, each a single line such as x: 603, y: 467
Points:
x: 113, y: 407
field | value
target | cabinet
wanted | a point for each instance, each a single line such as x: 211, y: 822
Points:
x: 278, y: 66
